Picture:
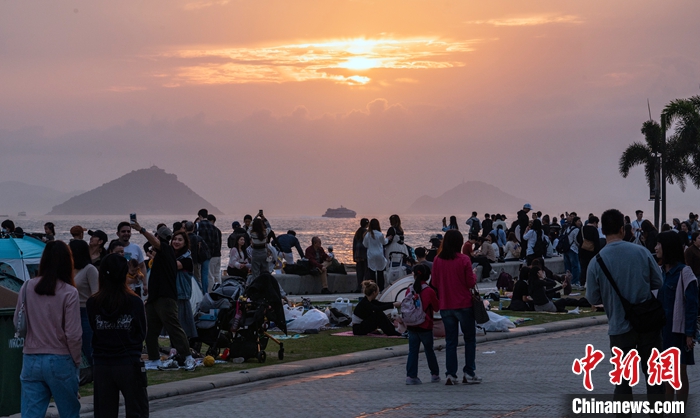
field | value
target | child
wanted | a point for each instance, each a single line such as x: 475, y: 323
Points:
x: 330, y: 252
x: 135, y: 279
x: 422, y: 333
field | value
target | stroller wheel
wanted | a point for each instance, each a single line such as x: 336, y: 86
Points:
x: 262, y: 356
x: 280, y: 354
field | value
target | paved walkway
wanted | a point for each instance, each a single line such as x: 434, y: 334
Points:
x: 523, y: 377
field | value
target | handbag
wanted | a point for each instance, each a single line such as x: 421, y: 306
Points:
x: 21, y: 325
x: 480, y: 314
x: 644, y: 317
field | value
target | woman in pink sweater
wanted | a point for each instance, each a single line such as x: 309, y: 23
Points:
x: 453, y: 278
x: 53, y: 343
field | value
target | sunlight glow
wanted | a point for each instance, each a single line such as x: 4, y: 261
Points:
x: 326, y: 60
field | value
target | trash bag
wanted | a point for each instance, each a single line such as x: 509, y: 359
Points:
x: 343, y: 305
x: 313, y: 319
x: 293, y: 313
x: 497, y: 323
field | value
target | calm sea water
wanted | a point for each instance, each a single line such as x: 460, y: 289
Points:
x: 335, y: 232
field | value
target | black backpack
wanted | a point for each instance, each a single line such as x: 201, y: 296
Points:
x: 199, y: 249
x: 540, y: 248
x: 564, y: 244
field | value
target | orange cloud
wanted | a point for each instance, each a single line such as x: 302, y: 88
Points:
x: 529, y: 20
x: 340, y: 61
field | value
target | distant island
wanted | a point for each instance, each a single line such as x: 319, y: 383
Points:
x: 467, y: 197
x: 340, y: 212
x: 149, y: 191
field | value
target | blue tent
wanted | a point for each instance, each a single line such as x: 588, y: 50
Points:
x: 19, y: 257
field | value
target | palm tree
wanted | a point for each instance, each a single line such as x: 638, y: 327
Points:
x: 658, y: 158
x: 685, y: 115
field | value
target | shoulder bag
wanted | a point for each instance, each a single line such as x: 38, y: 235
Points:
x: 644, y: 317
x: 21, y: 325
x: 480, y: 314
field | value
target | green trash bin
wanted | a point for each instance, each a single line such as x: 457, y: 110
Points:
x: 10, y: 364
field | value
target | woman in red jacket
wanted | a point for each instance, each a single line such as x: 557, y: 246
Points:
x: 422, y: 333
x: 453, y: 278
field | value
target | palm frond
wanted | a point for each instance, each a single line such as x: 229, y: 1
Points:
x: 637, y: 154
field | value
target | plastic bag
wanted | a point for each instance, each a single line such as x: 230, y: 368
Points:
x: 343, y: 305
x: 313, y: 319
x: 497, y: 323
x: 293, y: 313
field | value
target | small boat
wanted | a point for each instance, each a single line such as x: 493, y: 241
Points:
x: 22, y: 214
x: 340, y: 212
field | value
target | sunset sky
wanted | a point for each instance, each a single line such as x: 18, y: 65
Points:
x: 297, y: 106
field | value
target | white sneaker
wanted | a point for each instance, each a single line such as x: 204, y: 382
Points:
x: 152, y: 364
x: 190, y: 364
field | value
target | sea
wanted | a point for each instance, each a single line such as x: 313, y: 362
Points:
x: 333, y: 232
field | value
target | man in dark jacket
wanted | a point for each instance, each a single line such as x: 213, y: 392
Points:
x: 523, y: 221
x: 319, y: 259
x: 359, y: 253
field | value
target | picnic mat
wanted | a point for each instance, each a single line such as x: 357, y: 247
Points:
x: 518, y: 321
x: 350, y: 334
x: 289, y: 337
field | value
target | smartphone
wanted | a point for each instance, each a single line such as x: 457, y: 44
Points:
x: 132, y: 218
x: 260, y: 212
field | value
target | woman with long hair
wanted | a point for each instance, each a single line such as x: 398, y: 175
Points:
x: 181, y: 245
x: 452, y: 225
x: 49, y: 232
x: 512, y: 248
x: 374, y: 241
x: 395, y: 251
x: 258, y: 244
x: 649, y: 235
x: 534, y: 236
x: 238, y: 261
x: 679, y: 297
x: 118, y: 318
x: 453, y: 278
x: 422, y: 333
x: 85, y: 276
x: 369, y: 316
x: 685, y: 233
x: 52, y: 346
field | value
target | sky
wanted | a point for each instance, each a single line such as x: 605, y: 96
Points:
x: 299, y: 106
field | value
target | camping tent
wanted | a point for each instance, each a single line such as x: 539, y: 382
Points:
x: 20, y: 257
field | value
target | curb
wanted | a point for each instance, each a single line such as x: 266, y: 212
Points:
x: 217, y: 381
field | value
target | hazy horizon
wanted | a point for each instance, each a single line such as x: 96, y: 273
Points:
x: 299, y: 106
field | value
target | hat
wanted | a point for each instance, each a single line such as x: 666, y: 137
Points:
x: 164, y: 233
x: 527, y: 206
x: 77, y: 230
x: 97, y: 233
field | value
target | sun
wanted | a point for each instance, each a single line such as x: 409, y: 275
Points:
x: 360, y: 63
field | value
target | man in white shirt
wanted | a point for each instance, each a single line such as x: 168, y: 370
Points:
x: 131, y: 250
x: 637, y: 224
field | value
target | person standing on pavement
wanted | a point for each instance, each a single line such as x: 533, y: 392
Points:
x: 637, y: 226
x: 571, y: 262
x: 588, y: 242
x: 423, y: 333
x: 636, y: 274
x: 453, y: 278
x: 200, y: 255
x: 359, y: 253
x: 52, y: 346
x: 679, y: 297
x: 374, y: 241
x: 474, y: 224
x: 161, y: 306
x: 118, y: 319
x: 85, y: 276
x: 212, y: 237
x: 215, y: 262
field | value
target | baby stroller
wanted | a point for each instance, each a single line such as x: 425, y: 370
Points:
x: 246, y: 331
x: 213, y: 315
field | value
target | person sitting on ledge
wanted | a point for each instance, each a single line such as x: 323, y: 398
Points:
x: 369, y: 316
x: 319, y: 259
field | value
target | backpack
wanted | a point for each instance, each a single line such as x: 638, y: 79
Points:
x: 475, y: 226
x: 200, y: 250
x: 505, y: 281
x: 564, y: 244
x: 540, y: 248
x: 411, y: 309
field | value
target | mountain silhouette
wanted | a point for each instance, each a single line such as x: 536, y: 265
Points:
x: 467, y: 197
x: 149, y: 191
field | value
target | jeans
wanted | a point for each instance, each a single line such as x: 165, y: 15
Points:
x: 415, y: 338
x: 463, y: 318
x: 644, y: 343
x: 571, y: 264
x: 46, y: 375
x: 205, y: 276
x: 87, y: 335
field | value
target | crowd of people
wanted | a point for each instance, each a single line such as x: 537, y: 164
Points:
x: 88, y: 295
